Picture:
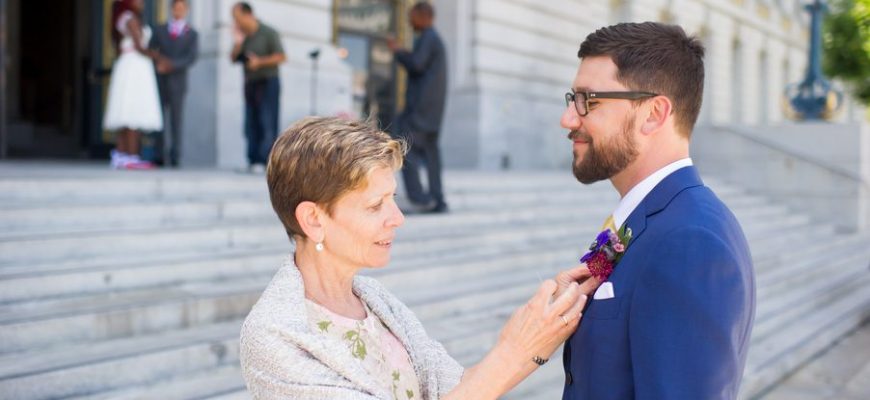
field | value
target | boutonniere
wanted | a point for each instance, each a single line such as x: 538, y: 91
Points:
x: 607, y: 249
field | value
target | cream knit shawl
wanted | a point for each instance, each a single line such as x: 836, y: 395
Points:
x: 282, y: 358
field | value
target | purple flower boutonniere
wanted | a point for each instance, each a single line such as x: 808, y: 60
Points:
x: 607, y: 249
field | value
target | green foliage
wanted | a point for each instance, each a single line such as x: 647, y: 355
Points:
x: 846, y: 44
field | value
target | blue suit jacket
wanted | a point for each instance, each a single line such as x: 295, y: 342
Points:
x: 678, y: 326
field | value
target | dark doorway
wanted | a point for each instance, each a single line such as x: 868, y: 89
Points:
x: 59, y: 63
x: 46, y: 49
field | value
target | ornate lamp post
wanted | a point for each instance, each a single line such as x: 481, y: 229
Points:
x: 814, y: 97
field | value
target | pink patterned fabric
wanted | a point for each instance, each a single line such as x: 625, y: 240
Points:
x: 372, y: 344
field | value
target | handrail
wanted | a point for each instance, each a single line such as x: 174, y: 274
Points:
x: 836, y: 170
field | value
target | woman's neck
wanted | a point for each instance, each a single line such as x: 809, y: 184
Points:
x: 328, y: 282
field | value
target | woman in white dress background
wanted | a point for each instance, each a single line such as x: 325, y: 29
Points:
x: 133, y: 104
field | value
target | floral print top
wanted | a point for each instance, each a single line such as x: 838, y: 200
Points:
x: 371, y: 343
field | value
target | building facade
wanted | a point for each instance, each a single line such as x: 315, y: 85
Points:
x: 510, y: 62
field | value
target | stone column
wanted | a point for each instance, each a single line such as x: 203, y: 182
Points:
x: 719, y: 68
x: 775, y: 80
x: 460, y: 129
x: 646, y: 10
x: 750, y: 81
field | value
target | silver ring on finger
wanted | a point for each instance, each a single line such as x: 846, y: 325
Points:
x: 565, y: 320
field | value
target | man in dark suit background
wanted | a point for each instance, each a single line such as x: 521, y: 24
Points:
x: 420, y: 121
x: 673, y: 320
x: 176, y: 45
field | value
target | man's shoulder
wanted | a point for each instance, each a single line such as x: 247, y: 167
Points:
x: 267, y: 30
x: 696, y: 211
x: 699, y: 201
x: 433, y: 34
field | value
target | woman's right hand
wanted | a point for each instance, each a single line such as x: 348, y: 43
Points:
x: 538, y: 328
x: 535, y: 330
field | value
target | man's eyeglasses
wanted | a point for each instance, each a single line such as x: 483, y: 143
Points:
x: 583, y: 106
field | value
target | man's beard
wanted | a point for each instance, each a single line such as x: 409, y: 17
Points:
x: 603, y: 160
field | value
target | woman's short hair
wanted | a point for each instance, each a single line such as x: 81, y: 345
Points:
x: 319, y: 159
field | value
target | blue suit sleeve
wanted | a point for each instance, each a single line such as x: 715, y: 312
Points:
x: 417, y: 61
x: 689, y: 319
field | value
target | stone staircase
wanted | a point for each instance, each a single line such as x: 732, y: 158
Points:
x: 133, y: 285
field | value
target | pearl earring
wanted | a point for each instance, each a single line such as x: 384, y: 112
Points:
x: 318, y: 247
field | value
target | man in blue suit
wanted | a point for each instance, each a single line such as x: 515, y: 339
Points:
x: 673, y: 319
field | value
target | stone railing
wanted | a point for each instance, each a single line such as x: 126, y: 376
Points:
x: 821, y: 168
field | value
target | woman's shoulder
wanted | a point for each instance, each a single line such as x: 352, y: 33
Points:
x: 373, y: 291
x: 369, y: 283
x: 280, y: 305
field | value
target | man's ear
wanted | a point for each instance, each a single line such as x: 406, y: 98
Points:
x: 659, y: 109
x: 310, y: 217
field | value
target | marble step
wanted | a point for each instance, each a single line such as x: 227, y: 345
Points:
x: 109, y: 363
x: 224, y: 265
x: 258, y: 234
x: 790, y: 264
x: 110, y: 274
x: 71, y: 247
x: 544, y: 380
x: 831, y: 280
x: 175, y: 185
x: 98, y: 367
x: 99, y: 217
x: 111, y: 315
x: 804, y: 337
x: 220, y: 382
x: 114, y: 314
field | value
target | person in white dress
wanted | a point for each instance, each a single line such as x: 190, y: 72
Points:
x: 133, y: 104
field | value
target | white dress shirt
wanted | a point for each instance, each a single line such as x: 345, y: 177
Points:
x: 176, y: 27
x: 639, y: 191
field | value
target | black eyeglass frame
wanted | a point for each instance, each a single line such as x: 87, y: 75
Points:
x: 570, y: 97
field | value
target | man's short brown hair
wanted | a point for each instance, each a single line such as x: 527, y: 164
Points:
x: 424, y: 8
x: 319, y: 159
x: 658, y: 58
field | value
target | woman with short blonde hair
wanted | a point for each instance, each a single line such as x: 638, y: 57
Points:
x: 319, y: 331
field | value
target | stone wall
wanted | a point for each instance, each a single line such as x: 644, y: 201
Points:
x: 510, y: 63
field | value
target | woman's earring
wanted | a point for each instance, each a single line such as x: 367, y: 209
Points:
x: 318, y: 247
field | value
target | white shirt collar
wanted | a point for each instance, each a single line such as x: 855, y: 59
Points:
x: 639, y: 191
x: 177, y: 25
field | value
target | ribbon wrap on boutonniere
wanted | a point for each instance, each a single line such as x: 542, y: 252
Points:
x: 607, y: 249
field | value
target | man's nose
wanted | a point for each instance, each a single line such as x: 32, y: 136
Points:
x: 570, y: 119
